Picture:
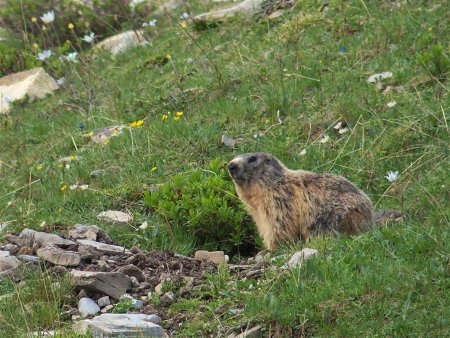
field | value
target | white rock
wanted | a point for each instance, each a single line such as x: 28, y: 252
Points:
x: 113, y: 284
x: 115, y: 217
x: 103, y: 301
x: 59, y: 256
x: 247, y: 6
x: 137, y: 304
x: 4, y: 254
x: 210, y: 256
x: 87, y: 307
x: 299, y: 257
x: 121, y: 325
x: 35, y: 83
x: 379, y: 77
x: 121, y: 42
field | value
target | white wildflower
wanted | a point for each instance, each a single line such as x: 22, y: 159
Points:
x: 338, y: 125
x: 303, y: 152
x: 184, y: 16
x: 89, y: 38
x: 43, y: 224
x: 44, y: 55
x: 144, y: 225
x: 190, y: 61
x: 343, y: 130
x: 48, y: 17
x: 83, y: 186
x: 379, y: 77
x: 324, y: 139
x: 72, y: 57
x: 73, y: 186
x: 391, y: 104
x: 392, y: 176
x: 152, y: 23
x: 60, y: 81
x: 145, y: 24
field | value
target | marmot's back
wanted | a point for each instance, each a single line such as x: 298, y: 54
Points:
x: 291, y: 205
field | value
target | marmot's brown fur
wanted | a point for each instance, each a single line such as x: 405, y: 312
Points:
x: 288, y: 205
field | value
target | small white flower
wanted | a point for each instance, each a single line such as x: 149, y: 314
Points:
x: 44, y: 55
x: 190, y: 61
x: 379, y: 77
x: 324, y: 139
x: 43, y: 224
x: 145, y: 24
x: 391, y: 104
x: 303, y: 152
x: 48, y: 17
x: 9, y: 204
x: 83, y: 186
x: 338, y: 125
x: 60, y: 81
x: 392, y: 176
x: 144, y: 225
x: 152, y: 23
x: 7, y: 99
x: 89, y: 38
x: 67, y: 166
x: 343, y: 130
x: 73, y: 186
x: 135, y: 3
x: 184, y: 16
x: 72, y: 57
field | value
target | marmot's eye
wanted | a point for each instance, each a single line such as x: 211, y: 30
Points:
x: 252, y: 159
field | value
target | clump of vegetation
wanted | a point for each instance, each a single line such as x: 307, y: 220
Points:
x: 201, y: 204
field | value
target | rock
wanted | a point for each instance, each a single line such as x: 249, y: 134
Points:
x: 158, y: 288
x: 10, y: 247
x: 102, y: 265
x: 107, y: 308
x: 89, y: 232
x: 167, y: 298
x: 87, y: 307
x: 4, y: 254
x: 29, y: 259
x: 9, y: 266
x: 132, y: 270
x: 115, y: 217
x: 248, y: 7
x: 58, y: 270
x: 137, y: 304
x: 121, y: 325
x: 210, y: 256
x: 42, y: 239
x: 389, y: 89
x: 134, y: 282
x: 254, y: 332
x: 33, y: 83
x: 379, y: 77
x: 103, y: 301
x: 299, y: 257
x: 228, y: 141
x: 122, y: 41
x: 98, y: 249
x: 58, y: 256
x: 102, y: 135
x: 113, y: 284
x: 276, y: 14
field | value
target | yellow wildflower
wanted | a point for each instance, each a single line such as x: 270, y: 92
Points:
x: 153, y: 169
x: 60, y: 165
x: 176, y: 118
x: 35, y: 45
x: 430, y: 29
x: 44, y: 28
x: 64, y: 188
x: 116, y: 131
x: 70, y: 25
x: 136, y: 123
x: 72, y: 157
x: 91, y: 133
x: 39, y: 167
x: 168, y: 57
x: 33, y: 19
x: 164, y: 117
x: 179, y: 114
x: 183, y: 24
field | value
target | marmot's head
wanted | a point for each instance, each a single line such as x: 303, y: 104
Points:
x: 255, y: 167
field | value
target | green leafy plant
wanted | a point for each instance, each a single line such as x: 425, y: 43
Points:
x: 202, y: 202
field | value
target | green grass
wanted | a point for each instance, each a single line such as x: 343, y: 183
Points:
x: 312, y: 68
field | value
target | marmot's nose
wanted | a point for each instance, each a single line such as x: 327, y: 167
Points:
x: 233, y: 168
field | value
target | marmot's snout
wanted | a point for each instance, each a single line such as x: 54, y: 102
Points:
x: 234, y: 169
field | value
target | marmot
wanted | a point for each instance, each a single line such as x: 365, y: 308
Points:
x: 294, y: 204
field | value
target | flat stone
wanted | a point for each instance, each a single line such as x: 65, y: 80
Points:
x: 9, y: 266
x: 4, y: 254
x: 107, y: 308
x: 299, y: 257
x: 113, y: 284
x: 167, y: 298
x: 248, y: 7
x: 90, y: 232
x: 59, y: 256
x: 132, y: 271
x: 102, y: 248
x: 103, y: 301
x: 210, y: 256
x: 33, y: 83
x: 29, y: 259
x: 42, y: 239
x: 122, y: 41
x: 115, y: 217
x: 121, y: 325
x: 87, y: 307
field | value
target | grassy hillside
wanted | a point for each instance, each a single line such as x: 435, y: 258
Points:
x: 278, y: 86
